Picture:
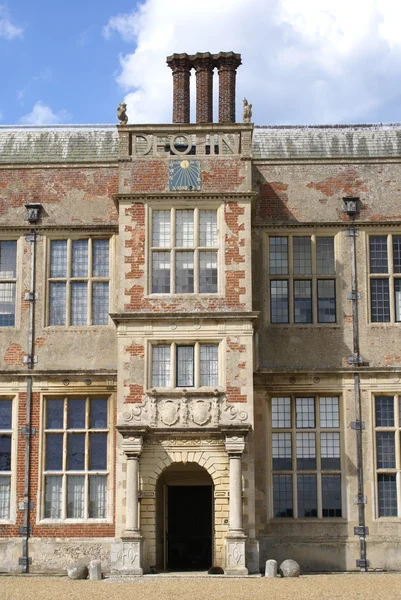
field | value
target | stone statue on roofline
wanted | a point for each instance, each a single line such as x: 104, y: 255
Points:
x: 122, y: 113
x: 247, y: 111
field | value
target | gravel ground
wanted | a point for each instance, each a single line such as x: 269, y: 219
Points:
x: 370, y: 586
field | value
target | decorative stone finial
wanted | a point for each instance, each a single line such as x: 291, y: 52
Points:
x: 122, y: 113
x: 247, y: 112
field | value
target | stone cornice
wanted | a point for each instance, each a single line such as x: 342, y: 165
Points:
x: 343, y: 225
x: 143, y: 197
x: 181, y: 316
x: 188, y: 128
x: 98, y: 228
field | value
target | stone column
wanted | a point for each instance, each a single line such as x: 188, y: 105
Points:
x: 181, y: 67
x: 131, y: 551
x: 204, y: 87
x: 227, y: 64
x: 235, y: 538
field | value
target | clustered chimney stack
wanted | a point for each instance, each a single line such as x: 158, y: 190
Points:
x: 204, y: 64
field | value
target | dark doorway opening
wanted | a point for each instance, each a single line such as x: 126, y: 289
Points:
x: 189, y: 528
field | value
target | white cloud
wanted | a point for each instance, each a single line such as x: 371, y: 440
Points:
x: 7, y: 29
x: 45, y: 75
x: 312, y: 61
x: 41, y: 114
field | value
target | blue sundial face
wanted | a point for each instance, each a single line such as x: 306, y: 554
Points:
x: 184, y: 175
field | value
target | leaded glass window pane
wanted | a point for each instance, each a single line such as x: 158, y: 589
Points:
x: 75, y: 497
x: 5, y: 452
x: 378, y: 254
x: 281, y: 451
x: 326, y: 301
x: 58, y: 258
x: 380, y: 300
x: 57, y: 298
x: 97, y: 497
x: 325, y: 256
x: 7, y: 304
x: 303, y: 301
x: 208, y: 228
x: 397, y: 299
x: 184, y: 272
x: 100, y: 303
x: 282, y: 496
x: 385, y: 448
x: 5, y: 499
x: 55, y: 414
x: 329, y: 412
x: 305, y: 413
x: 100, y: 259
x: 306, y: 451
x: 278, y: 252
x: 384, y: 411
x: 79, y: 303
x: 54, y: 452
x: 209, y: 366
x: 184, y: 228
x: 302, y: 255
x: 331, y: 496
x: 98, y: 413
x: 281, y: 412
x: 79, y: 258
x: 387, y: 493
x: 98, y: 451
x: 76, y: 413
x: 207, y: 272
x: 330, y: 451
x: 307, y: 496
x: 53, y: 495
x: 76, y: 452
x: 161, y: 366
x: 161, y: 234
x: 161, y: 273
x: 5, y: 414
x: 185, y: 366
x: 279, y: 301
x: 8, y: 260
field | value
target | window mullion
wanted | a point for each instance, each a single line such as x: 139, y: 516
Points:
x: 68, y: 283
x: 196, y: 365
x: 290, y: 278
x: 319, y: 495
x: 89, y: 316
x: 173, y: 362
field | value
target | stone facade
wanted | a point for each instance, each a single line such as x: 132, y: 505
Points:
x: 267, y: 422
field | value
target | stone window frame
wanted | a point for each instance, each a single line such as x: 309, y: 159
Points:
x: 13, y: 280
x: 13, y: 433
x: 109, y: 472
x: 390, y: 275
x: 90, y: 279
x: 291, y: 277
x: 396, y: 470
x: 173, y: 363
x: 294, y: 471
x: 181, y: 204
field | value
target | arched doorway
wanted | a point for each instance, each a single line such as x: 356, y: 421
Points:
x: 184, y: 518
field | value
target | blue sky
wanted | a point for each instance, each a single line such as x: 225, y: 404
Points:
x: 309, y: 61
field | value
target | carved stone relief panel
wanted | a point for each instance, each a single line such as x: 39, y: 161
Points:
x: 185, y: 411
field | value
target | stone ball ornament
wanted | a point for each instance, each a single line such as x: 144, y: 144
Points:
x: 77, y: 571
x: 290, y: 568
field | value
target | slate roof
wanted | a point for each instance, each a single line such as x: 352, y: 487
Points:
x: 58, y: 144
x: 99, y: 143
x: 327, y: 141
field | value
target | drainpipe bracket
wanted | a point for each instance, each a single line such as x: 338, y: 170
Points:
x: 24, y: 561
x: 353, y: 295
x: 25, y: 530
x: 362, y: 563
x: 31, y: 296
x: 360, y: 500
x: 355, y: 359
x: 361, y: 530
x: 351, y: 233
x: 23, y: 505
x: 29, y: 359
x: 358, y: 425
x: 25, y: 430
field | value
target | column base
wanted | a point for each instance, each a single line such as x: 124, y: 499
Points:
x: 127, y: 554
x: 235, y: 555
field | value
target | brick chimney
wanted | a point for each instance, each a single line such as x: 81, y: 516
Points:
x: 180, y: 64
x: 227, y: 64
x: 204, y: 66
